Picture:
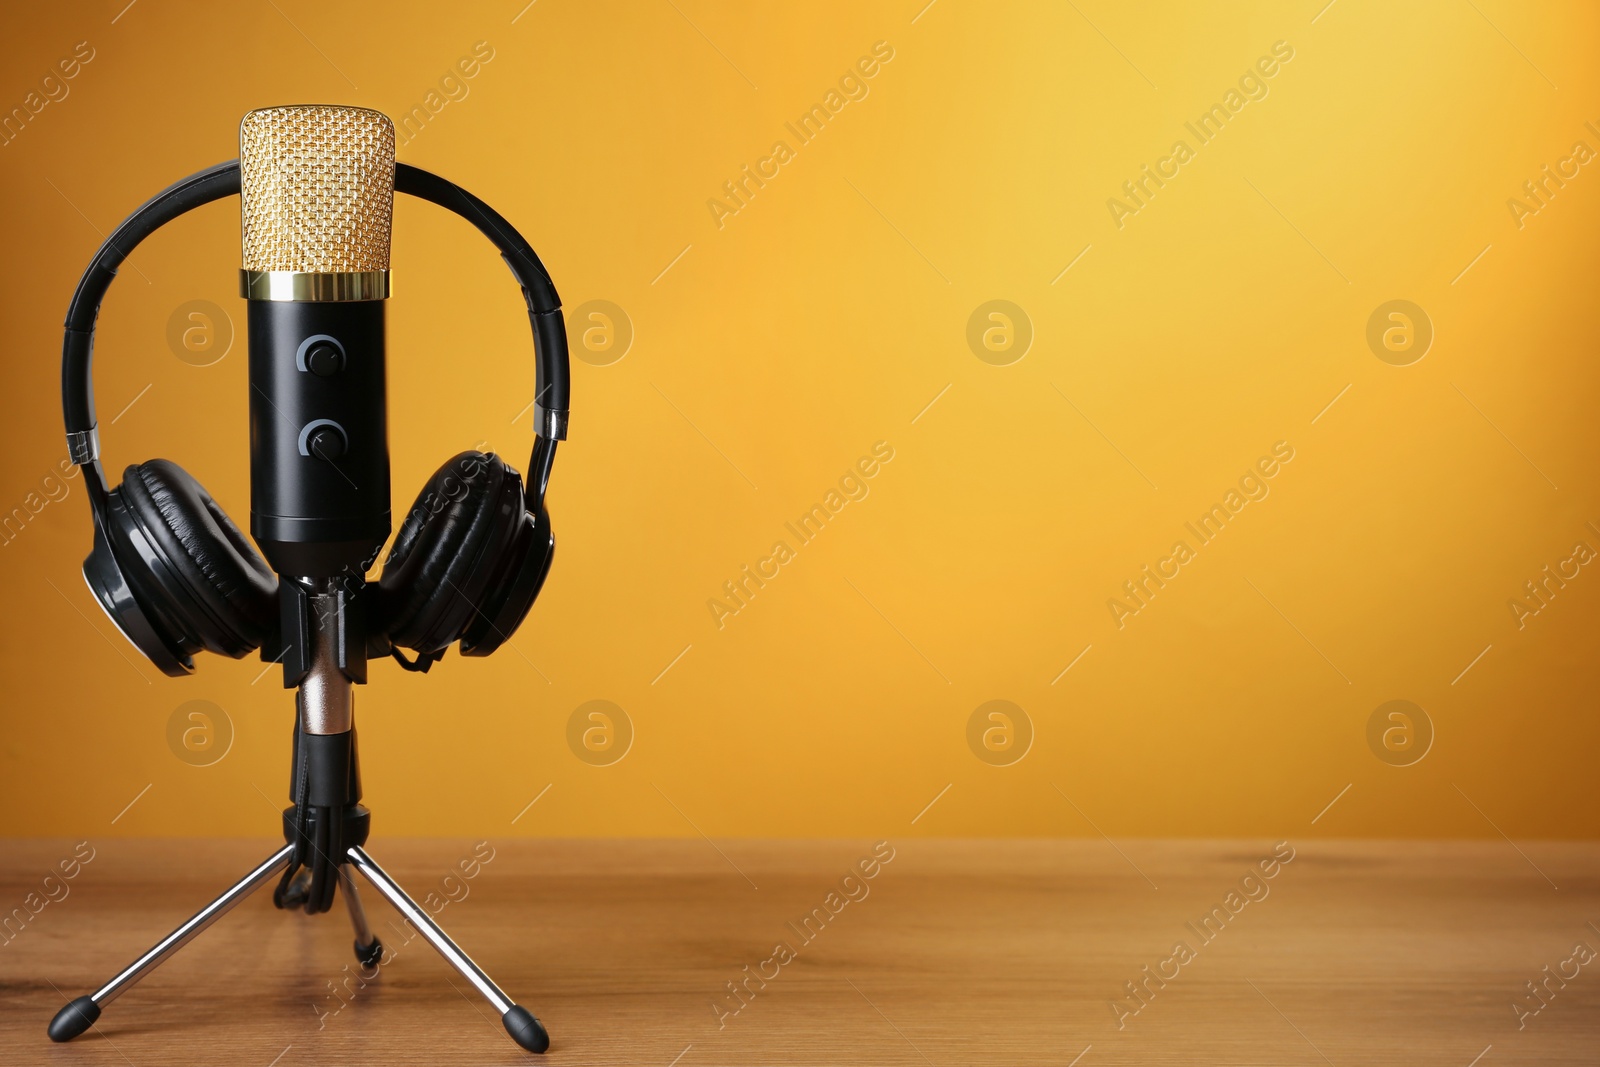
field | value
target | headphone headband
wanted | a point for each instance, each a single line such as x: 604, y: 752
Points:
x: 553, y: 388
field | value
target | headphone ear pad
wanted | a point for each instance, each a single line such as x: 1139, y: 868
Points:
x: 463, y: 521
x: 183, y: 552
x: 514, y: 587
x: 162, y: 643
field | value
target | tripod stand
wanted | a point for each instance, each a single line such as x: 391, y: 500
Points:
x: 325, y: 830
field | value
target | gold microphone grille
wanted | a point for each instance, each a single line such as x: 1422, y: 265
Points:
x: 317, y: 189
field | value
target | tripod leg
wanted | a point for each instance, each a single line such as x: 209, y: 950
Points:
x: 519, y: 1022
x: 81, y: 1014
x: 369, y: 950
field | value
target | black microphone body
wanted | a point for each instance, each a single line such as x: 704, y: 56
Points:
x: 319, y: 444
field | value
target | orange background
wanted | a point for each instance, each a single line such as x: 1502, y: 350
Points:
x: 773, y: 351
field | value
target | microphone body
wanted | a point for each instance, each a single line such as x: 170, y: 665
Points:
x: 319, y: 442
x: 317, y: 196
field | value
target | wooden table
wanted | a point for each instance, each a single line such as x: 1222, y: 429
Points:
x: 955, y: 952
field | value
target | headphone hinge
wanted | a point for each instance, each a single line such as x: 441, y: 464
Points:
x: 83, y: 446
x: 550, y: 423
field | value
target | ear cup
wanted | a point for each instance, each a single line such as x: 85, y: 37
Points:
x: 104, y: 576
x: 448, y: 550
x: 513, y: 588
x: 188, y: 564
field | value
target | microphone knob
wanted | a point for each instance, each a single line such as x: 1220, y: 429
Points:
x: 324, y: 360
x: 327, y: 444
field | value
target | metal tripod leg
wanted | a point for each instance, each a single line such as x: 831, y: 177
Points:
x: 369, y: 950
x: 81, y: 1014
x: 519, y: 1022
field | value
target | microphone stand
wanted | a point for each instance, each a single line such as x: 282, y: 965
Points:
x: 326, y: 827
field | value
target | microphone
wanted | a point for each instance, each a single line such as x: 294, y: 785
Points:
x: 317, y: 198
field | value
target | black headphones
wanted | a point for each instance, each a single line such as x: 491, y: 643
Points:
x: 176, y: 575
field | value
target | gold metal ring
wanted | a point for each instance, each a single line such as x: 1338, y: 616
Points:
x: 315, y: 288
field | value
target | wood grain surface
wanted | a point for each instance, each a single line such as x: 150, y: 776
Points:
x: 953, y: 952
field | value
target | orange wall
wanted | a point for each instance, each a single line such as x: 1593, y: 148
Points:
x: 1373, y: 556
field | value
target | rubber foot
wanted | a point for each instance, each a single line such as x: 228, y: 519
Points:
x: 525, y: 1030
x: 371, y: 955
x: 81, y: 1014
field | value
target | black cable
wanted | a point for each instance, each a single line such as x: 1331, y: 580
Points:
x: 325, y: 875
x: 423, y: 663
x: 298, y: 790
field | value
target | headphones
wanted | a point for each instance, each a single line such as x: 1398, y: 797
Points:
x: 176, y: 576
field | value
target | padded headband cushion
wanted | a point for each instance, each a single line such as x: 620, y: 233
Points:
x: 433, y: 578
x: 218, y: 567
